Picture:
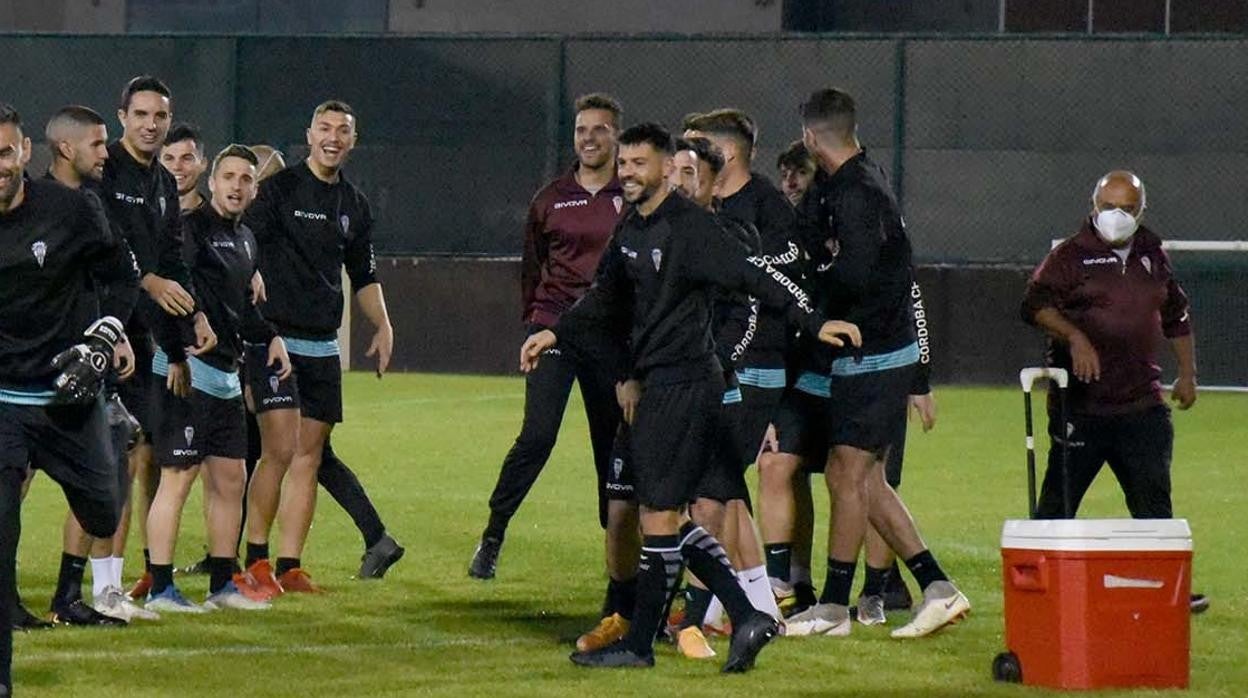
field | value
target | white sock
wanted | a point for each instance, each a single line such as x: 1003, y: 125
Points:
x: 799, y: 575
x: 101, y: 576
x: 118, y: 566
x: 714, y: 613
x: 758, y: 588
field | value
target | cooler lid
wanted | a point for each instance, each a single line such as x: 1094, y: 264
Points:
x: 1098, y: 534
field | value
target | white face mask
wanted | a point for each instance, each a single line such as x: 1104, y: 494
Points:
x: 1115, y: 225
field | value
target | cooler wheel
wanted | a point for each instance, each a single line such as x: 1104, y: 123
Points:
x: 1005, y: 667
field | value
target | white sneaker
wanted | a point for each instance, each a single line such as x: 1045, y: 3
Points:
x: 871, y: 610
x: 230, y: 597
x: 172, y: 601
x: 820, y: 619
x: 114, y: 602
x: 942, y: 605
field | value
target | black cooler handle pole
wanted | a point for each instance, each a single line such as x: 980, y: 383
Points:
x: 1027, y: 377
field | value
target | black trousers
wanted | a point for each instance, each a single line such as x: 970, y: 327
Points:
x: 1137, y: 446
x: 546, y: 392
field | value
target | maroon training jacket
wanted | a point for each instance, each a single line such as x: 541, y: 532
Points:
x: 1124, y: 309
x: 564, y: 237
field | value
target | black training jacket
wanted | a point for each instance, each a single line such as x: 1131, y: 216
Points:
x: 761, y: 205
x: 56, y: 250
x: 307, y: 231
x: 656, y: 284
x: 851, y: 226
x: 221, y: 254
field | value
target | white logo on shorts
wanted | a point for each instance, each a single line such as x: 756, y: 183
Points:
x: 618, y: 466
x: 189, y: 433
x: 273, y: 382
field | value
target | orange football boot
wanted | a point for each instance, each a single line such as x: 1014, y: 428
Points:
x: 261, y: 573
x: 297, y: 581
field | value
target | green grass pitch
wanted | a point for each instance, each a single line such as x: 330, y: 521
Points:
x: 428, y: 449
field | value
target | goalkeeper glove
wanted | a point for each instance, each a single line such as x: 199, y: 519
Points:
x: 84, y: 365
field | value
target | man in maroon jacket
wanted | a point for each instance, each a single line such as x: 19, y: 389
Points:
x: 1106, y: 297
x: 569, y: 224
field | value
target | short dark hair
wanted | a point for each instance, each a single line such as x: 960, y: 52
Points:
x: 334, y: 105
x: 600, y: 100
x: 688, y: 120
x: 704, y: 149
x: 143, y: 83
x: 234, y: 150
x: 733, y: 123
x: 73, y: 116
x: 183, y: 131
x: 796, y: 157
x: 9, y: 115
x: 649, y: 132
x: 832, y: 110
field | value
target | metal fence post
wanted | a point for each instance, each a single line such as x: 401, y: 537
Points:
x: 899, y: 120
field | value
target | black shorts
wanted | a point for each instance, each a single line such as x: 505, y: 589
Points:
x: 188, y: 430
x: 672, y: 439
x: 724, y: 477
x: 71, y: 444
x: 618, y: 485
x: 136, y: 390
x: 268, y: 392
x: 896, y: 451
x: 801, y: 428
x: 758, y: 409
x: 865, y: 409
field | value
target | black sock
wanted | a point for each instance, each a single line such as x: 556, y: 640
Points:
x: 657, y: 575
x: 925, y: 569
x: 708, y: 562
x: 697, y: 601
x: 895, y: 584
x: 345, y: 488
x: 220, y: 571
x: 162, y: 578
x: 69, y: 580
x: 875, y: 581
x: 839, y: 581
x: 147, y: 560
x: 285, y: 564
x: 497, y: 527
x: 779, y: 560
x: 256, y: 551
x: 621, y: 598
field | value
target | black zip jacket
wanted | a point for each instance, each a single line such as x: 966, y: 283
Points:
x: 307, y: 231
x: 56, y: 252
x: 221, y: 254
x: 736, y: 314
x: 761, y: 205
x: 851, y: 226
x: 657, y: 281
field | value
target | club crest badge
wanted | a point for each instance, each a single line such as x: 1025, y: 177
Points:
x: 345, y: 222
x: 40, y: 251
x: 619, y: 203
x: 656, y: 256
x: 162, y: 205
x: 617, y: 466
x: 273, y: 382
x: 189, y: 434
x: 1148, y: 265
x: 247, y: 248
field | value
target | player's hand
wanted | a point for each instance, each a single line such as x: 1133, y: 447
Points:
x: 925, y: 407
x: 83, y: 366
x: 533, y: 347
x: 833, y: 330
x: 168, y: 294
x: 628, y: 394
x: 1184, y: 391
x: 1086, y: 363
x: 771, y: 440
x: 258, y: 292
x: 205, y: 338
x: 179, y: 379
x: 279, y: 357
x: 382, y: 347
x: 123, y: 359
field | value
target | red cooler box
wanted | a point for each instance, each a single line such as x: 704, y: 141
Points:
x: 1098, y: 603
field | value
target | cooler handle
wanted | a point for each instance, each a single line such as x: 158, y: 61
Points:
x: 1030, y: 576
x: 1028, y: 377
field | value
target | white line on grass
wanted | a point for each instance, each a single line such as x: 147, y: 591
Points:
x: 125, y: 653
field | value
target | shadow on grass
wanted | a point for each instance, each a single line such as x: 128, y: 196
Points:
x: 492, y: 616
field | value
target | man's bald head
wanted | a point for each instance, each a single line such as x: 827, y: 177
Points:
x: 1120, y: 189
